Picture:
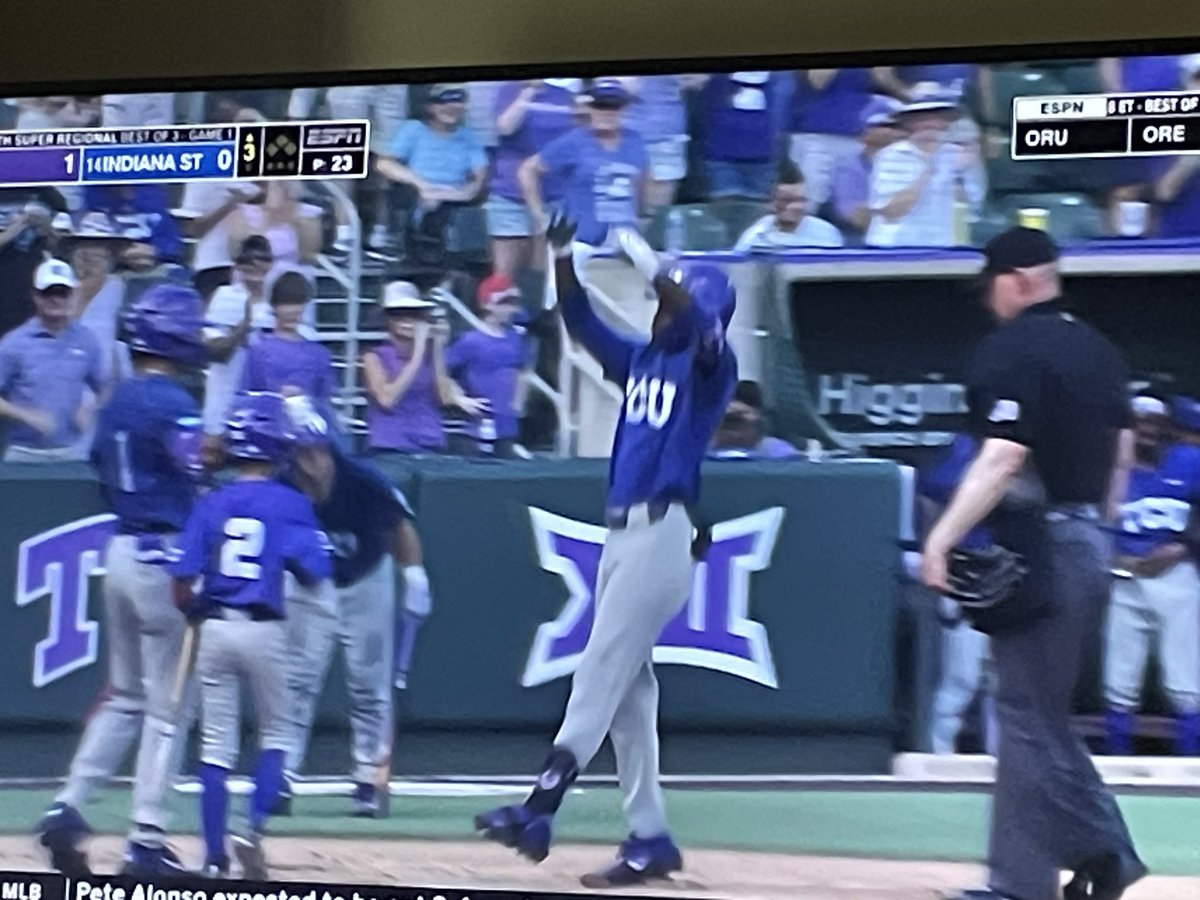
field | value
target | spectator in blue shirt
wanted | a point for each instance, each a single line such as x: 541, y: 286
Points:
x: 440, y: 157
x: 45, y: 365
x: 142, y: 209
x: 602, y: 167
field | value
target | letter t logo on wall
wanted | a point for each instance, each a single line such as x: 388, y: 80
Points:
x: 59, y: 563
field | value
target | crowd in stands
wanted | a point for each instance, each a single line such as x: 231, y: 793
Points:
x: 465, y: 178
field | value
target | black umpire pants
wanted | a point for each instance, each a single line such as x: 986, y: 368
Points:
x: 1051, y: 811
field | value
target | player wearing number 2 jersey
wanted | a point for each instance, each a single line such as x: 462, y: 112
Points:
x: 240, y: 540
x: 146, y: 454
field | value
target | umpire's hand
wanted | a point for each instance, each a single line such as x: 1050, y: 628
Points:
x: 935, y: 571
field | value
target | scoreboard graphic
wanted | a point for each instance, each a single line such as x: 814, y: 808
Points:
x: 292, y: 150
x: 1088, y: 126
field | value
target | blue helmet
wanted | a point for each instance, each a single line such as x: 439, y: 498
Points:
x: 709, y: 287
x: 167, y: 321
x: 309, y: 428
x: 259, y: 427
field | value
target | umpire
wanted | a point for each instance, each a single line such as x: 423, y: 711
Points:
x: 1047, y: 395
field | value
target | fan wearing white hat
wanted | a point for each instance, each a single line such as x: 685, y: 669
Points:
x: 45, y: 364
x: 917, y: 181
x: 407, y: 384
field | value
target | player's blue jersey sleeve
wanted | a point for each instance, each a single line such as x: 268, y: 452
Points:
x: 192, y: 551
x: 611, y: 350
x: 561, y: 154
x: 307, y: 552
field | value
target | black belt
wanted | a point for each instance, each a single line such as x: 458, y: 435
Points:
x: 617, y: 517
x: 256, y: 612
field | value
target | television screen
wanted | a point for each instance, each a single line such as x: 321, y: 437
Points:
x: 353, y: 437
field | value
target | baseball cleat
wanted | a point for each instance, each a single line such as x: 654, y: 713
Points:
x: 60, y: 832
x: 638, y: 860
x: 517, y: 827
x: 215, y: 869
x: 368, y: 803
x: 1104, y: 878
x: 249, y: 852
x: 146, y: 861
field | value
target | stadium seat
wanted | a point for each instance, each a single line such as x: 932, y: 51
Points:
x: 1072, y: 217
x: 738, y: 215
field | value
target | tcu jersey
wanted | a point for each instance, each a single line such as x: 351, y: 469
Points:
x: 1158, y: 505
x: 242, y: 538
x: 361, y: 512
x: 939, y: 480
x: 677, y: 387
x: 140, y: 450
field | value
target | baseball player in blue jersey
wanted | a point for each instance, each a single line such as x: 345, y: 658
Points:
x: 1156, y: 595
x: 377, y: 557
x: 146, y: 453
x: 677, y: 385
x: 965, y: 656
x: 239, y: 541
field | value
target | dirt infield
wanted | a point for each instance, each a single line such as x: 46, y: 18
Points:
x: 710, y: 873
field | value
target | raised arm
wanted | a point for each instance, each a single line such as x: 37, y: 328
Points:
x: 610, y: 349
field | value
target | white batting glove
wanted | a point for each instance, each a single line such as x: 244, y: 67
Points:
x: 640, y: 255
x: 417, y: 599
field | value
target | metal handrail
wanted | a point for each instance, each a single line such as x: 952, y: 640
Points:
x: 350, y: 279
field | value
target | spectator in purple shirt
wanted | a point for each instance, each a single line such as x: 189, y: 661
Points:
x: 528, y: 116
x: 659, y: 115
x: 602, y: 167
x: 740, y: 434
x: 850, y: 199
x: 492, y: 362
x: 826, y: 120
x: 45, y: 365
x: 742, y: 114
x: 283, y: 361
x: 407, y: 385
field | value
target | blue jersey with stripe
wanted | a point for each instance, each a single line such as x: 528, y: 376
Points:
x: 360, y: 516
x: 1158, y: 505
x: 136, y: 454
x: 677, y: 386
x: 940, y: 479
x: 243, y: 537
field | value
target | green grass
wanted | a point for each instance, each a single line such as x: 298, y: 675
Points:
x: 894, y: 825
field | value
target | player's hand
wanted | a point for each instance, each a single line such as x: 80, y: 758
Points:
x: 39, y: 421
x: 935, y: 573
x: 633, y: 248
x: 473, y: 406
x: 560, y: 233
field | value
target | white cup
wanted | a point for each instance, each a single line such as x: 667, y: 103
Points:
x: 1134, y: 217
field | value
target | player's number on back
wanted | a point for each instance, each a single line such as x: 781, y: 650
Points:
x: 243, y: 545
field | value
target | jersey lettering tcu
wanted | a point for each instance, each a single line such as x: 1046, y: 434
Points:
x: 650, y: 400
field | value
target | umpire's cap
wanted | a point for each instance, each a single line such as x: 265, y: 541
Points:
x: 1018, y: 248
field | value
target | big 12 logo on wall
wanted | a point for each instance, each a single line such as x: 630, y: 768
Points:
x: 56, y: 566
x: 714, y: 630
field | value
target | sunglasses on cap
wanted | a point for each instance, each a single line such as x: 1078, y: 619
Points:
x: 453, y: 96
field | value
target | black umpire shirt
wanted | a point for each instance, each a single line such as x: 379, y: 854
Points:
x: 1058, y: 386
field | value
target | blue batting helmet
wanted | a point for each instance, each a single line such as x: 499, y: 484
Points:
x: 167, y: 321
x: 309, y: 428
x: 259, y: 427
x: 709, y: 287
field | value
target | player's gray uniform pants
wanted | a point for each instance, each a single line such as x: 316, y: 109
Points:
x: 233, y: 650
x: 966, y: 671
x: 1050, y: 810
x: 361, y: 620
x: 1164, y: 612
x: 644, y: 580
x: 144, y: 631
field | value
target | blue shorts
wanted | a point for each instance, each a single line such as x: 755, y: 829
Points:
x: 507, y: 218
x: 752, y: 180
